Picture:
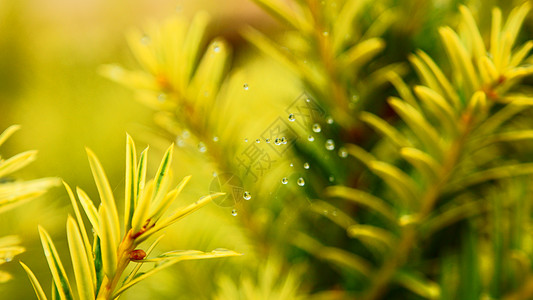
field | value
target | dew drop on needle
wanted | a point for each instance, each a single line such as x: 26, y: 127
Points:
x: 343, y: 152
x: 201, y: 147
x: 292, y: 118
x: 316, y: 127
x: 330, y: 144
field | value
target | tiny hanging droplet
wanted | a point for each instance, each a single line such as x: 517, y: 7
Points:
x: 283, y: 140
x: 306, y: 166
x: 258, y: 141
x: 329, y: 120
x: 277, y: 141
x: 267, y: 141
x: 284, y: 180
x: 291, y: 165
x: 245, y: 86
x: 316, y: 127
x: 246, y: 140
x: 311, y: 138
x: 234, y: 212
x: 247, y: 195
x: 186, y: 134
x: 145, y: 40
x: 343, y: 152
x: 301, y: 181
x: 180, y: 142
x: 201, y: 147
x: 292, y: 118
x: 216, y: 47
x: 330, y: 144
x: 215, y: 139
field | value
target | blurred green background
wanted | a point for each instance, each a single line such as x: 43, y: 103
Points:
x: 50, y: 52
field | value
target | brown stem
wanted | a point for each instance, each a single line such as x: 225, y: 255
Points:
x: 123, y: 259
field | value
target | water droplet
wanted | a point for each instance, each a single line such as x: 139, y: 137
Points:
x: 325, y: 33
x: 245, y: 86
x: 306, y: 166
x: 247, y: 195
x: 334, y: 213
x: 246, y: 140
x: 267, y: 141
x: 307, y: 100
x: 215, y: 174
x: 216, y: 47
x: 283, y: 140
x: 162, y: 97
x: 145, y: 40
x: 329, y: 120
x: 316, y: 127
x: 201, y: 147
x: 292, y: 118
x: 330, y: 144
x: 8, y: 257
x: 234, y: 212
x: 343, y: 152
x: 291, y: 165
x: 310, y: 138
x: 284, y: 180
x: 301, y: 181
x: 215, y: 139
x: 186, y: 134
x: 258, y: 141
x: 180, y: 142
x: 277, y: 141
x: 331, y: 178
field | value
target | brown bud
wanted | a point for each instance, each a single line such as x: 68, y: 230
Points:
x: 137, y: 254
